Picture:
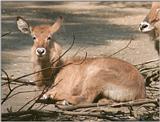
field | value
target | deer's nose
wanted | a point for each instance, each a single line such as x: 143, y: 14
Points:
x: 40, y: 51
x: 143, y: 26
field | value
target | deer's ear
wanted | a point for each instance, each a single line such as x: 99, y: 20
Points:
x: 56, y: 26
x: 23, y: 25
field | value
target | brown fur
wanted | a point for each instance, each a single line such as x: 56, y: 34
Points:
x: 152, y: 16
x: 153, y: 19
x: 82, y: 82
x: 114, y: 78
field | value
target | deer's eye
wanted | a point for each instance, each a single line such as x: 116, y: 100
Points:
x: 34, y: 37
x: 49, y: 38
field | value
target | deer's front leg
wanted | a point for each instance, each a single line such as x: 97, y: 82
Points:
x: 62, y: 97
x: 57, y: 96
x: 50, y: 94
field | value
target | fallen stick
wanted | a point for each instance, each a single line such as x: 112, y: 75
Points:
x: 66, y: 110
x: 6, y: 34
x: 123, y: 104
x: 17, y: 81
x: 16, y: 115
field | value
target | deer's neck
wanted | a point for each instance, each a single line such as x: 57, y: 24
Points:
x: 154, y: 34
x: 47, y: 73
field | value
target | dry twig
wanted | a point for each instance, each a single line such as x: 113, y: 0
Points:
x: 123, y: 104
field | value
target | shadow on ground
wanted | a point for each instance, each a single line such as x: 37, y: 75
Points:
x: 90, y: 25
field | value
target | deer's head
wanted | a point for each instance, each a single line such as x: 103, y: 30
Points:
x: 148, y: 24
x: 44, y: 46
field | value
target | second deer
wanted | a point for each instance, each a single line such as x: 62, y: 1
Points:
x: 151, y: 24
x: 110, y: 78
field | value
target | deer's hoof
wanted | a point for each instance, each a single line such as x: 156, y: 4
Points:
x: 48, y: 96
x: 62, y: 103
x: 45, y: 96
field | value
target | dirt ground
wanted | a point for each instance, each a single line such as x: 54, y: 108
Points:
x: 100, y: 28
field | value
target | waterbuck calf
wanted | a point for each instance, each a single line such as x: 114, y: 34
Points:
x: 151, y: 24
x: 78, y: 82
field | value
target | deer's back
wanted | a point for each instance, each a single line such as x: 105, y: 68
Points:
x: 102, y: 73
x: 91, y: 66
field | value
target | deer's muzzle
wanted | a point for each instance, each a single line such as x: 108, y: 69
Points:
x: 40, y: 51
x: 145, y: 27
